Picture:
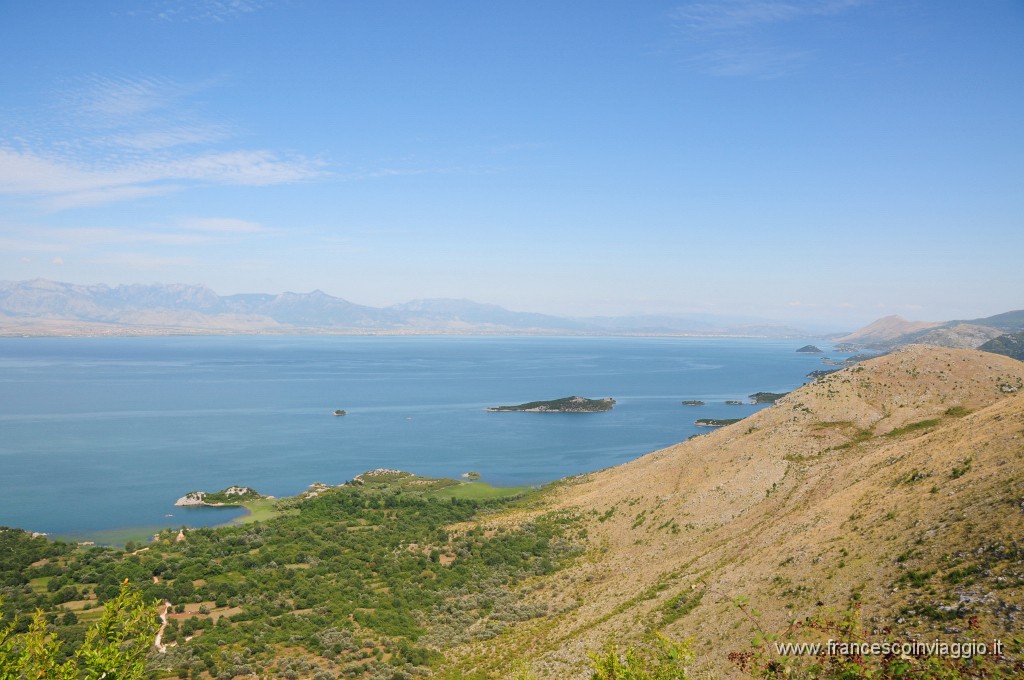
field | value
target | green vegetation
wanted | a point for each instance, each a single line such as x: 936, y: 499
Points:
x: 913, y: 427
x: 810, y: 349
x: 660, y: 659
x: 692, y: 402
x: 563, y: 405
x: 480, y: 491
x: 114, y: 647
x: 1011, y: 345
x: 365, y: 580
x: 233, y: 495
x: 767, y: 397
x: 716, y: 422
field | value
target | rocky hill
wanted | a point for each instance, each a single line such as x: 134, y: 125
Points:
x: 887, y: 328
x: 893, y: 331
x: 896, y: 485
x: 1011, y: 345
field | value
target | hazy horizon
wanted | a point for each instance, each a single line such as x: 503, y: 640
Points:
x: 825, y: 163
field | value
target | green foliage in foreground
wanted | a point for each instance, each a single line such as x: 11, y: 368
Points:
x: 115, y: 647
x: 358, y: 581
x: 661, y: 660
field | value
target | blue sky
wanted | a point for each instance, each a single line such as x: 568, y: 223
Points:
x: 837, y: 160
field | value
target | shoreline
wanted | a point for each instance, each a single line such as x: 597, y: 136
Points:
x: 256, y: 511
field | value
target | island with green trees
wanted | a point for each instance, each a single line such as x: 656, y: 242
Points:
x: 810, y: 349
x: 564, y: 405
x: 692, y: 402
x: 767, y: 397
x: 715, y: 422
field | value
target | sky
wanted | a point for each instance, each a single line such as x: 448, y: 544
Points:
x: 799, y: 160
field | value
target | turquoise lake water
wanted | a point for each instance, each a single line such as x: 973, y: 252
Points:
x: 103, y: 433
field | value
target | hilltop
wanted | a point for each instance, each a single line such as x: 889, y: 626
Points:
x: 894, y: 331
x: 887, y: 328
x: 896, y: 485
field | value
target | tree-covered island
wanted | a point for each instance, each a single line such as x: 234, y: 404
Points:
x: 715, y: 422
x: 564, y: 405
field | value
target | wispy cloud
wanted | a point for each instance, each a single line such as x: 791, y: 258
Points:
x: 120, y: 139
x: 741, y: 37
x: 208, y: 11
x: 729, y: 16
x: 67, y: 183
x: 143, y: 261
x: 760, y: 62
x: 223, y: 225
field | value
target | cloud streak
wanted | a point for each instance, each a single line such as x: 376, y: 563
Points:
x: 67, y: 183
x: 729, y: 16
x: 121, y: 139
x: 741, y: 38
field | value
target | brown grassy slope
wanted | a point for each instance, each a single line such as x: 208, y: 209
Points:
x: 887, y: 328
x: 898, y: 482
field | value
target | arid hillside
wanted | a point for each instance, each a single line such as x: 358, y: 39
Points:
x: 887, y: 328
x: 896, y: 486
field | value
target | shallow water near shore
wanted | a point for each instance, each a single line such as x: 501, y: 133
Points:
x: 106, y: 433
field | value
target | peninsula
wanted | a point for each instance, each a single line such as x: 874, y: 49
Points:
x: 564, y: 405
x: 233, y: 495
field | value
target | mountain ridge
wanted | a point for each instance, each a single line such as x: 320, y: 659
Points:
x: 891, y: 332
x: 45, y: 307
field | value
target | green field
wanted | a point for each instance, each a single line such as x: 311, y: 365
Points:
x: 479, y: 491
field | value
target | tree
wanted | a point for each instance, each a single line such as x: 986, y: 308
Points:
x: 115, y: 647
x: 665, y: 660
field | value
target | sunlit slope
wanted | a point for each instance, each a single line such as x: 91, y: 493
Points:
x: 897, y: 483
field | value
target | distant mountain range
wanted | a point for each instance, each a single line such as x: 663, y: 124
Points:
x: 44, y: 307
x: 1000, y: 333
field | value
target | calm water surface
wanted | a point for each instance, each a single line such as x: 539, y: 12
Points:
x: 99, y: 433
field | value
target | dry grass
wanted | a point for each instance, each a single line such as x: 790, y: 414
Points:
x: 885, y: 484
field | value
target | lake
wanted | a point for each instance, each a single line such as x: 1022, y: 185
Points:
x: 106, y: 433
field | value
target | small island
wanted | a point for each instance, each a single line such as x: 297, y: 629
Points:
x: 339, y: 412
x: 734, y: 402
x: 715, y: 422
x: 564, y: 405
x: 233, y: 495
x: 767, y: 397
x: 692, y: 402
x: 810, y: 349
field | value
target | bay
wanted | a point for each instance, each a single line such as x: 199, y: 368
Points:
x: 104, y: 433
